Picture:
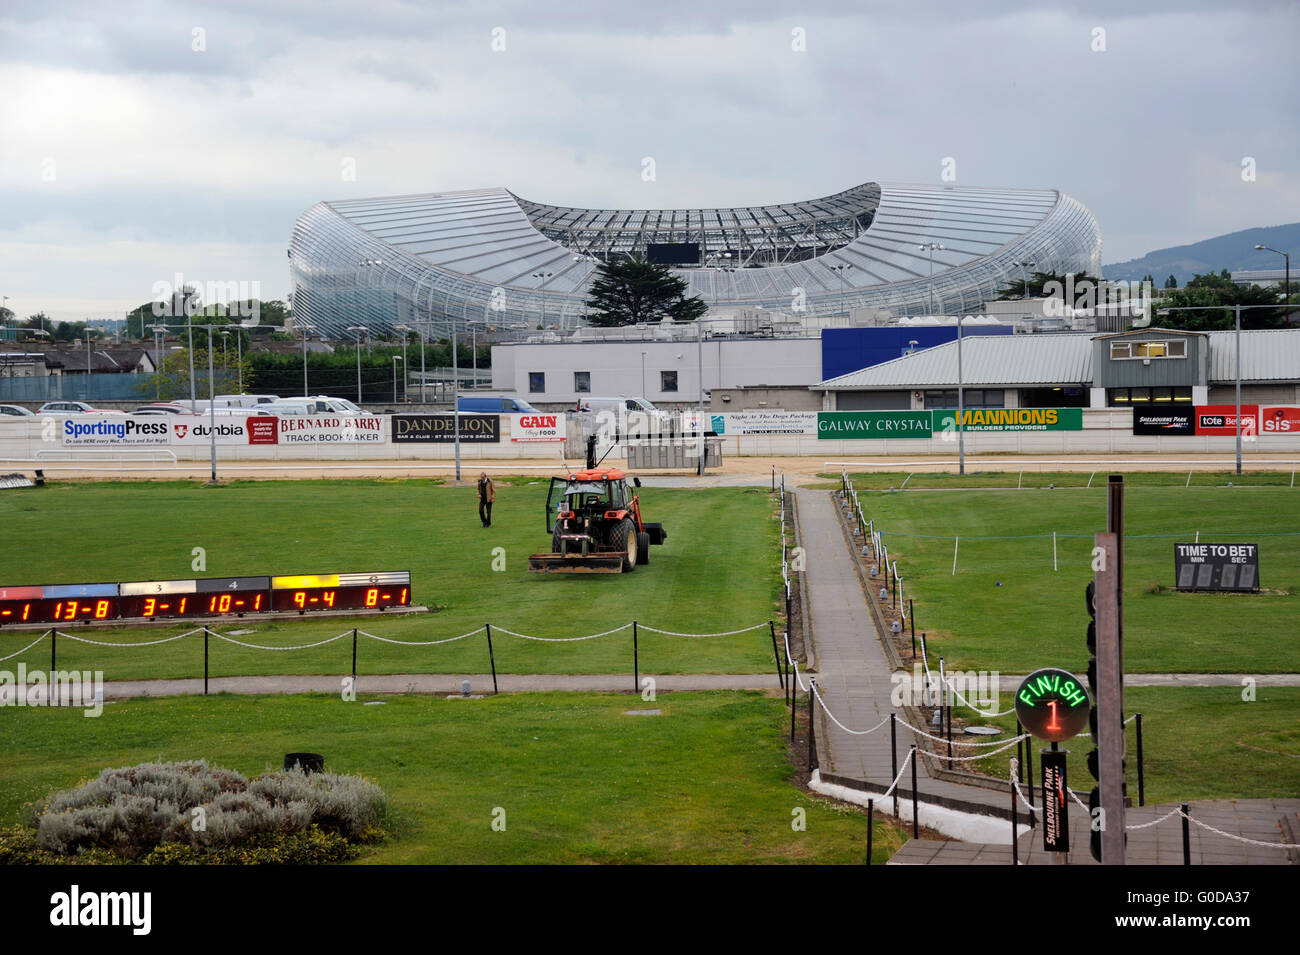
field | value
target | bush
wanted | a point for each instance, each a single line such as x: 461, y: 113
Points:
x: 193, y: 812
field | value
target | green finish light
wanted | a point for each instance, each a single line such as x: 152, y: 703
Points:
x: 1052, y: 705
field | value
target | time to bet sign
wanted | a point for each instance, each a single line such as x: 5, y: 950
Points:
x: 1052, y: 705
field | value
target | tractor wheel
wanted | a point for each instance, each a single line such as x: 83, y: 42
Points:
x: 556, y: 543
x: 623, y: 539
x: 643, y: 548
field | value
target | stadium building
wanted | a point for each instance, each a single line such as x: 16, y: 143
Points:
x: 489, y: 257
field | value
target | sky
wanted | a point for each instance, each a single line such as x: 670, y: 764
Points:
x: 140, y: 141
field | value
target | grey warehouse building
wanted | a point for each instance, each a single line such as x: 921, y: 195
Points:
x: 1148, y: 368
x: 489, y: 257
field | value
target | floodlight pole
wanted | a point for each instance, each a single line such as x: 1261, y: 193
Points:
x: 1237, y: 336
x: 212, y: 409
x: 455, y: 393
x: 699, y: 342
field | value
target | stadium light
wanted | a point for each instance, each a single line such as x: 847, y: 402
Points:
x: 1286, y: 295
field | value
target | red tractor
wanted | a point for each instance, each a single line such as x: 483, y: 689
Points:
x: 594, y: 517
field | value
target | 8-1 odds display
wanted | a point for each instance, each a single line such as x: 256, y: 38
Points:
x: 210, y: 597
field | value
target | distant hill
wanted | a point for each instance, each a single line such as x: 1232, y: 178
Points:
x: 1234, y: 252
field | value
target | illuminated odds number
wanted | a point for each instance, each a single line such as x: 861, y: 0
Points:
x: 26, y: 609
x: 150, y: 605
x: 372, y: 597
x: 300, y: 599
x: 328, y: 598
x: 101, y: 609
x: 223, y: 604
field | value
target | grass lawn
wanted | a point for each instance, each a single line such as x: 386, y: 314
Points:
x: 579, y: 781
x: 1006, y: 609
x: 1198, y: 743
x: 718, y: 571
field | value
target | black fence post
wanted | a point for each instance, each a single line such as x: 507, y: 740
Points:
x: 793, y: 707
x: 1029, y: 776
x: 871, y: 818
x: 354, y: 659
x: 911, y: 620
x: 1142, y: 790
x: 636, y: 661
x: 1187, y: 837
x: 893, y: 756
x: 812, y: 738
x: 54, y: 642
x: 787, y: 605
x: 1015, y: 843
x: 205, y: 662
x: 916, y: 827
x: 776, y: 654
x: 492, y: 658
x: 948, y: 710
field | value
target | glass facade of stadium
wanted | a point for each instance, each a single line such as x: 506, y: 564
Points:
x: 488, y: 257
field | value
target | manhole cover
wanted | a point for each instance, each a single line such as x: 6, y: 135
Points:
x: 241, y: 633
x: 983, y: 731
x: 643, y: 712
x: 375, y: 703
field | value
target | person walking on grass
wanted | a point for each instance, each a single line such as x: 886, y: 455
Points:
x: 487, y: 493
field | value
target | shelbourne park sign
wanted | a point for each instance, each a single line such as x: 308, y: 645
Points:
x: 853, y: 425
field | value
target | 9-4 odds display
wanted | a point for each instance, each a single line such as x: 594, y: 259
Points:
x: 210, y: 597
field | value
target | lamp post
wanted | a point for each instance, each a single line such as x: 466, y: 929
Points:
x: 544, y: 276
x: 356, y: 330
x: 961, y: 398
x: 1286, y: 294
x: 840, y: 270
x: 396, y: 359
x: 455, y: 391
x: 305, y: 328
x: 406, y: 332
x: 643, y: 394
x: 158, y: 331
x: 1024, y: 267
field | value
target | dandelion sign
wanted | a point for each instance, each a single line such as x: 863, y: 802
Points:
x: 1052, y: 705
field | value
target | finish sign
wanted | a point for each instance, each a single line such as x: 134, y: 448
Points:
x: 1052, y: 705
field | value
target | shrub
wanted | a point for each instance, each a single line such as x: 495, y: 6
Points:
x: 148, y: 812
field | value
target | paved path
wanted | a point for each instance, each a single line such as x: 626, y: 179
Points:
x: 1260, y: 819
x: 442, y: 683
x: 852, y: 672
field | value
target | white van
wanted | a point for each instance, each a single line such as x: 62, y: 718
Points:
x: 244, y: 401
x: 621, y: 404
x: 318, y: 404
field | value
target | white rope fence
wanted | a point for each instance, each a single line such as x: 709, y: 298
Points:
x: 25, y: 649
x: 828, y: 712
x: 108, y: 643
x: 261, y: 646
x: 419, y: 643
x: 902, y: 769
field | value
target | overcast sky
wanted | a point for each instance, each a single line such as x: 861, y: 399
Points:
x: 138, y: 140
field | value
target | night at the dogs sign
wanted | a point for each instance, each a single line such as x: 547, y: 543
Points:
x: 1217, y: 567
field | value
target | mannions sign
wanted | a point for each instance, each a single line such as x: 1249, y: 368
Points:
x: 1011, y: 419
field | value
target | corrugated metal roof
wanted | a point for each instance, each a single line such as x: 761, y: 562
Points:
x: 1064, y: 359
x: 1266, y: 355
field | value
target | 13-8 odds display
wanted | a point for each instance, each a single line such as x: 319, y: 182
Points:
x: 209, y: 597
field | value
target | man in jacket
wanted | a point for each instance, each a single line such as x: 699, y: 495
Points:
x: 486, y: 495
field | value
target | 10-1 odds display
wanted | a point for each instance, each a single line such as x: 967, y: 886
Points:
x: 210, y: 597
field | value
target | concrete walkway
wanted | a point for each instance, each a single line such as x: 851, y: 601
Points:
x: 443, y: 683
x: 852, y: 672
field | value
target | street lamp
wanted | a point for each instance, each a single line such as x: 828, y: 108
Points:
x: 1237, y: 326
x: 544, y: 276
x: 304, y: 328
x: 356, y: 331
x: 1286, y: 295
x: 840, y: 270
x: 396, y: 359
x: 158, y: 332
x: 961, y: 398
x: 406, y: 332
x: 1024, y: 266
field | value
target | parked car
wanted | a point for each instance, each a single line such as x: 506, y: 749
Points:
x: 164, y: 408
x: 244, y: 401
x: 495, y: 404
x: 73, y: 407
x: 316, y: 404
x: 17, y: 411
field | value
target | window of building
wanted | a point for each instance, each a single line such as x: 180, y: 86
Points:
x: 582, y: 382
x: 537, y: 382
x: 667, y: 381
x: 1125, y: 351
x: 1146, y: 397
x: 970, y: 398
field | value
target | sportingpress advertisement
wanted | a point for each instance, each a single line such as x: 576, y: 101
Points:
x: 103, y: 431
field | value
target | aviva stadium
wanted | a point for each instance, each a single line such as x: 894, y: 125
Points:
x: 489, y: 256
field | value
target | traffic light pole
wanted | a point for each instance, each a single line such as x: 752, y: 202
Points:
x: 1110, y: 696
